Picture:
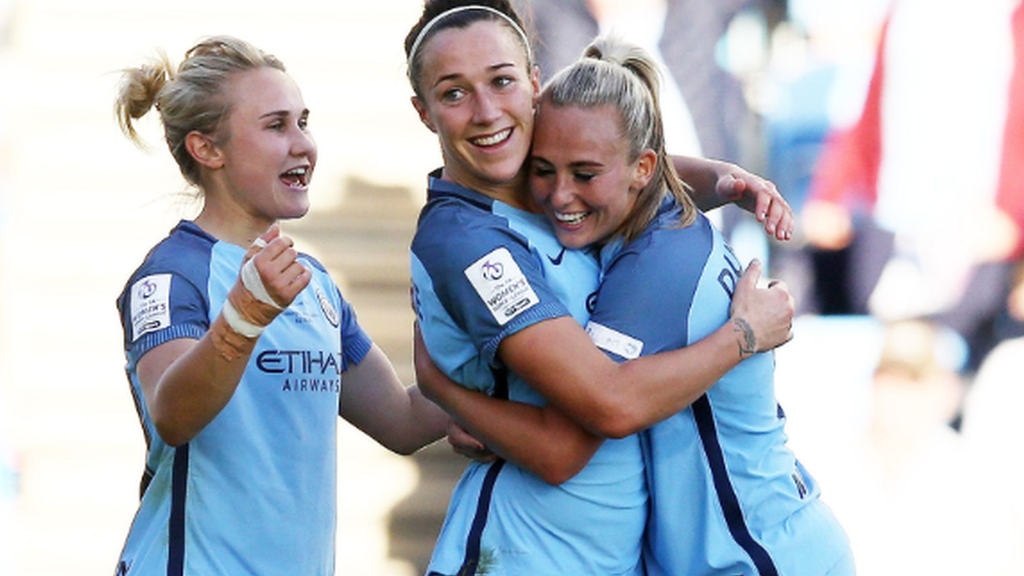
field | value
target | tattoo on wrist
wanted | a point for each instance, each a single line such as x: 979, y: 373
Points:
x: 748, y: 347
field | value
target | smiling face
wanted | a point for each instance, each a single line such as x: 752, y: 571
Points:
x: 262, y: 158
x: 581, y: 174
x: 478, y: 97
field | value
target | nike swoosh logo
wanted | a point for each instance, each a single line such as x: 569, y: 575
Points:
x: 557, y: 260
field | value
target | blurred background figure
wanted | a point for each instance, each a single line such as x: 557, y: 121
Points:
x: 991, y: 412
x: 8, y: 458
x: 8, y: 501
x: 705, y: 108
x: 913, y: 496
x: 917, y: 207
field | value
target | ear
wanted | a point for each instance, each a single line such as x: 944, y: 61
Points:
x: 535, y: 81
x: 644, y: 169
x: 421, y: 109
x: 203, y: 149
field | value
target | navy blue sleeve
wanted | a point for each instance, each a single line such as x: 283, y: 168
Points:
x: 166, y: 298
x: 647, y: 295
x: 484, y: 275
x: 355, y: 342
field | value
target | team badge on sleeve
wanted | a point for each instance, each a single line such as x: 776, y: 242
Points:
x: 501, y: 284
x: 151, y: 308
x: 614, y: 341
x: 330, y: 312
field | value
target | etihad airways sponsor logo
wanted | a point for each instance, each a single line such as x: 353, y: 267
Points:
x: 304, y: 370
x: 299, y: 362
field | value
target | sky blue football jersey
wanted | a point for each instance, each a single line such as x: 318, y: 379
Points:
x: 728, y: 497
x: 255, y: 491
x: 483, y: 270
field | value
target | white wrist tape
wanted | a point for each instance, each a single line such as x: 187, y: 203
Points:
x: 239, y: 324
x: 252, y: 282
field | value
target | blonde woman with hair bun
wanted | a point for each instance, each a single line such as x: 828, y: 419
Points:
x: 241, y: 351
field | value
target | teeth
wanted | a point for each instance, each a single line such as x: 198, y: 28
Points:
x: 492, y: 140
x: 572, y: 219
x: 300, y: 174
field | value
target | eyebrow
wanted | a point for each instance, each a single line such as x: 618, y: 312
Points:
x: 572, y: 165
x: 279, y: 113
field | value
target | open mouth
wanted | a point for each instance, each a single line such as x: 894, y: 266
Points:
x: 493, y: 139
x: 571, y: 219
x: 297, y: 177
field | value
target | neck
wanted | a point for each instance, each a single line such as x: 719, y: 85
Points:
x: 233, y: 229
x: 513, y: 192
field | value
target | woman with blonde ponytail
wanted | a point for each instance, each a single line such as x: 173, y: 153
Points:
x: 241, y: 351
x: 727, y: 495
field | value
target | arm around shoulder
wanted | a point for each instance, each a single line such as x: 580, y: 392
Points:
x: 557, y: 358
x: 609, y: 399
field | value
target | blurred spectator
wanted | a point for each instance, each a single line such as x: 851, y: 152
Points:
x: 8, y: 463
x: 905, y: 485
x: 8, y: 506
x: 992, y: 408
x: 916, y: 210
x: 700, y: 96
x: 820, y: 60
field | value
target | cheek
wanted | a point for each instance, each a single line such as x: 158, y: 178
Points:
x: 539, y: 189
x: 528, y: 118
x: 447, y: 125
x: 618, y: 208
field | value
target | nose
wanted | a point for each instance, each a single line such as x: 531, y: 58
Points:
x: 562, y: 192
x: 303, y: 144
x: 486, y: 109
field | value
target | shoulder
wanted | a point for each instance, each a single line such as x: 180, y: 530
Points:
x: 454, y: 233
x: 447, y: 219
x: 185, y: 250
x: 667, y: 247
x: 314, y: 263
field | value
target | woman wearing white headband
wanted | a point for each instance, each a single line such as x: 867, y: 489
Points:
x: 237, y: 377
x: 500, y: 304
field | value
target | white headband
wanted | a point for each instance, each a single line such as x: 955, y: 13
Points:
x: 446, y: 13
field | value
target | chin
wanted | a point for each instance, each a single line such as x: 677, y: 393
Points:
x: 572, y: 241
x: 500, y: 177
x: 502, y: 171
x: 294, y: 213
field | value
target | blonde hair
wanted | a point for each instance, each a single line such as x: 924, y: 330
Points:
x: 616, y: 73
x: 190, y: 98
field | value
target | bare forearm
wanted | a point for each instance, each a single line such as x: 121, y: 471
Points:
x: 702, y: 175
x: 398, y: 417
x: 559, y: 360
x: 539, y: 439
x: 194, y: 389
x: 659, y: 386
x: 640, y: 393
x: 188, y: 382
x: 423, y: 423
x: 715, y: 183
